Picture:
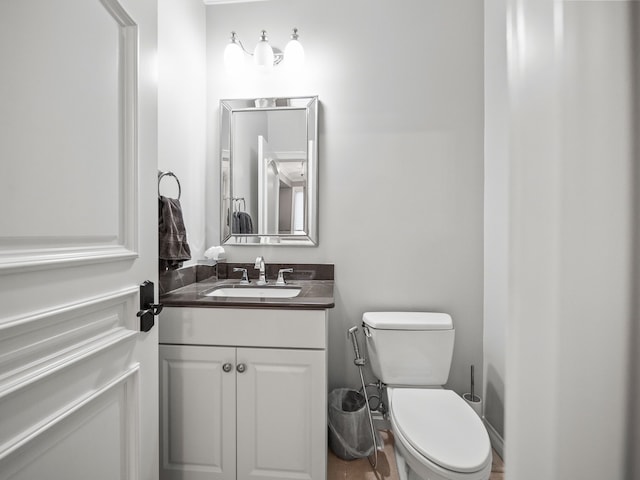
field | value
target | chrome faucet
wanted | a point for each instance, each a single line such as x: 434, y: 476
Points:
x: 262, y: 280
x: 245, y: 277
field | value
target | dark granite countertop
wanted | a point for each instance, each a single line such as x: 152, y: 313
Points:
x: 315, y: 294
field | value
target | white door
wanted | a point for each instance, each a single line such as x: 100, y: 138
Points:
x: 78, y: 234
x: 281, y: 414
x: 268, y: 189
x: 198, y: 408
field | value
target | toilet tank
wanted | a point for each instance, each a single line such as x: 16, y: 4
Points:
x: 409, y: 348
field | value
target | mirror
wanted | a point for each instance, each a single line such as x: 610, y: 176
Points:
x: 269, y: 171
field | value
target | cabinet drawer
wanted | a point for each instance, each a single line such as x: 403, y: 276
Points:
x: 244, y: 327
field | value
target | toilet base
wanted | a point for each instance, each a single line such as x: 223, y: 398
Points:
x: 403, y: 468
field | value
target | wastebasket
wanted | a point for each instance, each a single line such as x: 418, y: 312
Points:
x: 349, y: 428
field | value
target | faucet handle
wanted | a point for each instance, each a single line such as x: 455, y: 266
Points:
x: 281, y: 273
x: 245, y: 277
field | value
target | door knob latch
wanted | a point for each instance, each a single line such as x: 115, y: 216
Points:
x: 148, y: 309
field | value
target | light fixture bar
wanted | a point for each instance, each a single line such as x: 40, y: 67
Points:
x: 265, y: 57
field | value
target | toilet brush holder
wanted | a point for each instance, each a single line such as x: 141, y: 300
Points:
x: 475, y: 402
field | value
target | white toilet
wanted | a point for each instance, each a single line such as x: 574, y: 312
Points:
x: 437, y: 435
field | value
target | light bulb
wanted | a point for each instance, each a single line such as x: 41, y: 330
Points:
x: 294, y: 53
x: 263, y: 53
x: 233, y: 55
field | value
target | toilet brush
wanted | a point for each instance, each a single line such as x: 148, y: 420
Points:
x: 473, y: 397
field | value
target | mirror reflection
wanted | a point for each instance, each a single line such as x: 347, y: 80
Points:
x: 269, y: 171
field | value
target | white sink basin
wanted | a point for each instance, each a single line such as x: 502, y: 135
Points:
x: 255, y: 292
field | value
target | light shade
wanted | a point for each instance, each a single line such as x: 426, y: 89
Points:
x: 233, y: 57
x: 294, y: 53
x: 263, y: 53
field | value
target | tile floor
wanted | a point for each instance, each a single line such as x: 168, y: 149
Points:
x: 338, y: 469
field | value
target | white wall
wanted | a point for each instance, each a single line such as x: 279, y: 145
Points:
x: 571, y: 263
x: 496, y: 214
x: 401, y: 155
x: 182, y: 109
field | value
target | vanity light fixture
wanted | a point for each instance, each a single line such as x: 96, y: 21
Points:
x: 265, y: 57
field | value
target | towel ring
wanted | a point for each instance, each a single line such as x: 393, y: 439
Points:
x: 169, y: 174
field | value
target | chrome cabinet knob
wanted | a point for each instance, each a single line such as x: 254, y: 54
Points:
x: 227, y: 367
x: 241, y: 368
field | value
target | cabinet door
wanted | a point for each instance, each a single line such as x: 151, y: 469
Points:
x: 281, y: 418
x: 198, y: 409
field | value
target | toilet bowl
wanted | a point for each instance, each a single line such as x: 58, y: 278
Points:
x: 437, y: 435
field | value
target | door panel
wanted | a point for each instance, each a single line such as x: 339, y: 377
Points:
x: 69, y: 132
x: 78, y: 234
x: 198, y: 405
x: 34, y: 344
x: 280, y: 433
x: 58, y: 447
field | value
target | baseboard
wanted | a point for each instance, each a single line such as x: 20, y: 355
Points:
x: 497, y: 442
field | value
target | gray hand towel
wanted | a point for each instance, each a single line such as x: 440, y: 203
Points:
x: 242, y: 223
x: 172, y: 235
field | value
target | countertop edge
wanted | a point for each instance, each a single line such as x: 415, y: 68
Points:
x: 288, y: 306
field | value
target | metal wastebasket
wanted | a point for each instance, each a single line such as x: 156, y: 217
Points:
x: 349, y: 430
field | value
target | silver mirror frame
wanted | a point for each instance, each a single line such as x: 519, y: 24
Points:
x: 228, y: 107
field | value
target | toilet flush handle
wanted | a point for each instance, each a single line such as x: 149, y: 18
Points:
x: 366, y: 330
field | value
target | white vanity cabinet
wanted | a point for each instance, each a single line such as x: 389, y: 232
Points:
x: 243, y: 394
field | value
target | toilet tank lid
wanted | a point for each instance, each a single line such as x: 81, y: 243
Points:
x: 408, y: 320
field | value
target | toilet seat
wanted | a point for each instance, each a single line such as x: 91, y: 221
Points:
x: 438, y: 425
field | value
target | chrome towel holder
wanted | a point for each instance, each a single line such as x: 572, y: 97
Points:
x: 161, y: 175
